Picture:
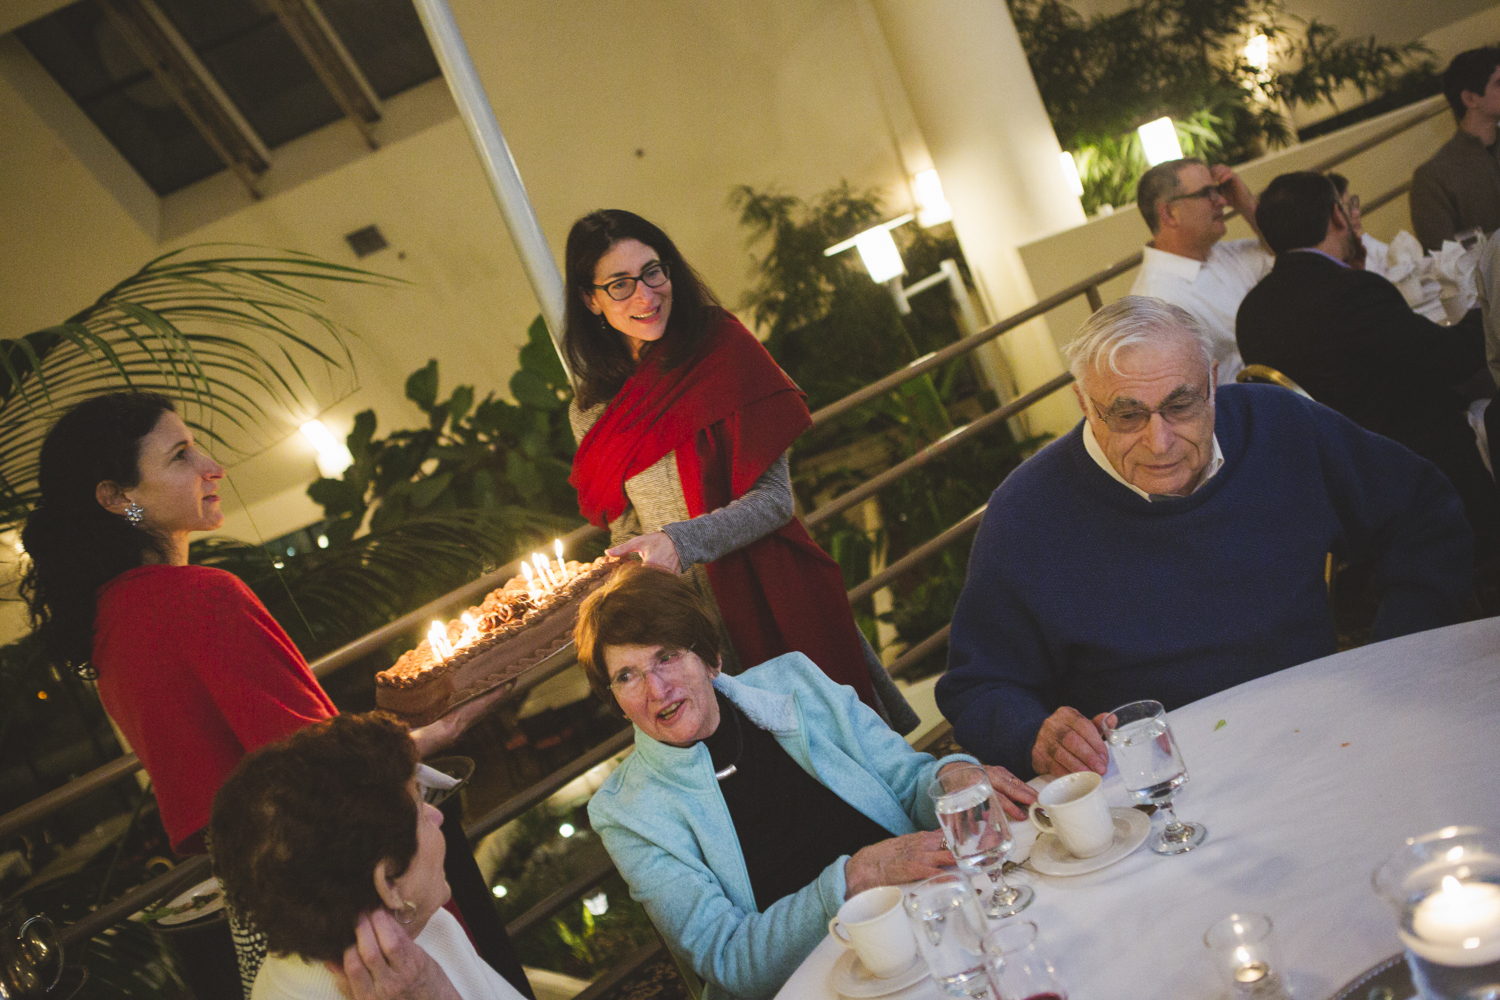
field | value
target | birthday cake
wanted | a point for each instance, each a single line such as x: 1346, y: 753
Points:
x: 513, y: 629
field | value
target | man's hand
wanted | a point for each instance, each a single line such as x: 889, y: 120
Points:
x: 897, y: 861
x: 438, y: 735
x: 656, y: 549
x: 1236, y: 192
x: 384, y: 963
x: 1067, y: 742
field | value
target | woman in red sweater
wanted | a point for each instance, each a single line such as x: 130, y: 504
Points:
x: 189, y: 663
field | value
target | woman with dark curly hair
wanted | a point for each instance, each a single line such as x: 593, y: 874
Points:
x: 684, y: 422
x: 324, y: 840
x: 190, y: 665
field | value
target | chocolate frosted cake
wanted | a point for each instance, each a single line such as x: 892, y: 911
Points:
x: 513, y: 629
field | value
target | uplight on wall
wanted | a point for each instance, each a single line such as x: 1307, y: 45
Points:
x: 877, y: 250
x: 1258, y: 52
x: 934, y: 206
x: 1070, y: 172
x: 333, y: 455
x: 1159, y: 141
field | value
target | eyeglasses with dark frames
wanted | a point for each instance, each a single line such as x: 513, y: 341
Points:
x: 1206, y: 193
x: 1178, y: 409
x: 653, y: 275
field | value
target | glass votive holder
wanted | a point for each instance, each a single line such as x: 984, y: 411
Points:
x: 1445, y: 888
x: 1018, y: 965
x: 1245, y: 953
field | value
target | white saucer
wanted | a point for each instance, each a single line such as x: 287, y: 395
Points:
x: 850, y: 978
x: 1050, y: 857
x: 201, y: 900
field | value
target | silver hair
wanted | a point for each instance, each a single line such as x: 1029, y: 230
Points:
x: 1133, y: 320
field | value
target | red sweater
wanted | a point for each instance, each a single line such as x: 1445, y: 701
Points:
x: 196, y: 673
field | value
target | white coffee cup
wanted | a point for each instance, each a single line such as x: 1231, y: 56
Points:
x: 1073, y: 809
x: 875, y: 926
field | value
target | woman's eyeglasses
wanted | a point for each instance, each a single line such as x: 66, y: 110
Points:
x: 653, y: 275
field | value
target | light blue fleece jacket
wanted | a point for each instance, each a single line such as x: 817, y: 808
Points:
x: 664, y: 822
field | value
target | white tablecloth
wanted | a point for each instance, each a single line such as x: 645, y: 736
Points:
x: 1317, y: 775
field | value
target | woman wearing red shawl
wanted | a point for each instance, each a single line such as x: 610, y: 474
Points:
x: 684, y: 422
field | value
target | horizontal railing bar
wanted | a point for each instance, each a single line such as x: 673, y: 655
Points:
x: 952, y: 439
x: 372, y: 641
x: 40, y: 808
x: 916, y: 555
x: 1386, y: 198
x: 169, y: 883
x: 928, y: 362
x: 518, y: 804
x: 920, y: 651
x: 1389, y: 133
x: 921, y: 286
x: 560, y: 899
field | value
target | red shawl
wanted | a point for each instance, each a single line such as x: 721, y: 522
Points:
x: 728, y: 413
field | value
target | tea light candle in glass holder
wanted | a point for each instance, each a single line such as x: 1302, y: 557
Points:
x: 1445, y: 888
x: 1246, y: 956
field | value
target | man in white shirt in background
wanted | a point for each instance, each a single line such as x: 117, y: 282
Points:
x: 1188, y: 263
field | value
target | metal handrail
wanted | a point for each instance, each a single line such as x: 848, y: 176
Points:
x: 518, y: 804
x: 159, y: 887
x: 948, y: 441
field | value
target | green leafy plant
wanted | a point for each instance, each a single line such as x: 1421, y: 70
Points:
x: 240, y: 339
x: 423, y: 510
x: 834, y: 331
x: 1101, y: 77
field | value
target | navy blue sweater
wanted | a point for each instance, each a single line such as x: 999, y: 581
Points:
x: 1082, y: 593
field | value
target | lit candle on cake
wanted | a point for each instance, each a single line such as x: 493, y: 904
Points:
x: 530, y: 581
x: 437, y: 638
x: 471, y: 630
x: 562, y: 567
x: 540, y: 562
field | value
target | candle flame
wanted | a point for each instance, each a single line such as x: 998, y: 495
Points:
x: 543, y: 570
x: 471, y: 630
x: 1471, y: 942
x: 1242, y: 956
x: 530, y: 580
x: 437, y: 638
x: 1451, y: 884
x: 562, y: 567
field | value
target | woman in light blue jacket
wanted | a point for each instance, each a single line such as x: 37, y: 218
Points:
x: 753, y: 806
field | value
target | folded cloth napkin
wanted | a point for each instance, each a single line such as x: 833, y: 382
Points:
x: 1408, y: 267
x: 1453, y: 268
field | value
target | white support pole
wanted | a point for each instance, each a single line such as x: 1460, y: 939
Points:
x: 499, y: 166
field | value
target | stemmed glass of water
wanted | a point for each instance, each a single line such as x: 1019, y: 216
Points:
x: 974, y: 825
x: 1152, y: 769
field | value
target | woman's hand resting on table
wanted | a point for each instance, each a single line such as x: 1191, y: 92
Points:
x: 656, y: 549
x: 897, y: 861
x: 384, y: 963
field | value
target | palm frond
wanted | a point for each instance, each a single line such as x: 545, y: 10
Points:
x: 236, y: 334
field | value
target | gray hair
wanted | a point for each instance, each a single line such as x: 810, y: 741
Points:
x: 1133, y: 320
x: 1158, y: 185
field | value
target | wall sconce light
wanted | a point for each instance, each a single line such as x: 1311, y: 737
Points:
x: 877, y: 250
x: 1159, y: 141
x: 1070, y: 172
x: 333, y: 455
x: 934, y: 206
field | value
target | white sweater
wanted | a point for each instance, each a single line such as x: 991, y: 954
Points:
x: 289, y: 977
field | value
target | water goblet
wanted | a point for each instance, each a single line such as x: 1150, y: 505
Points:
x: 1019, y: 967
x: 949, y: 928
x: 1151, y: 767
x: 974, y: 825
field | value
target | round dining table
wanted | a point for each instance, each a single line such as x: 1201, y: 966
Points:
x: 1307, y: 779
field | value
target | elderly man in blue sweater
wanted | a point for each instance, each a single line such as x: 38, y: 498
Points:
x: 1173, y: 544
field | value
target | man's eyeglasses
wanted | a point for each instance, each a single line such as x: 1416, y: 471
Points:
x: 653, y: 275
x: 1177, y: 410
x: 1206, y: 193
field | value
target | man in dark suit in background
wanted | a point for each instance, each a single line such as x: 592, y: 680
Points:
x: 1349, y: 339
